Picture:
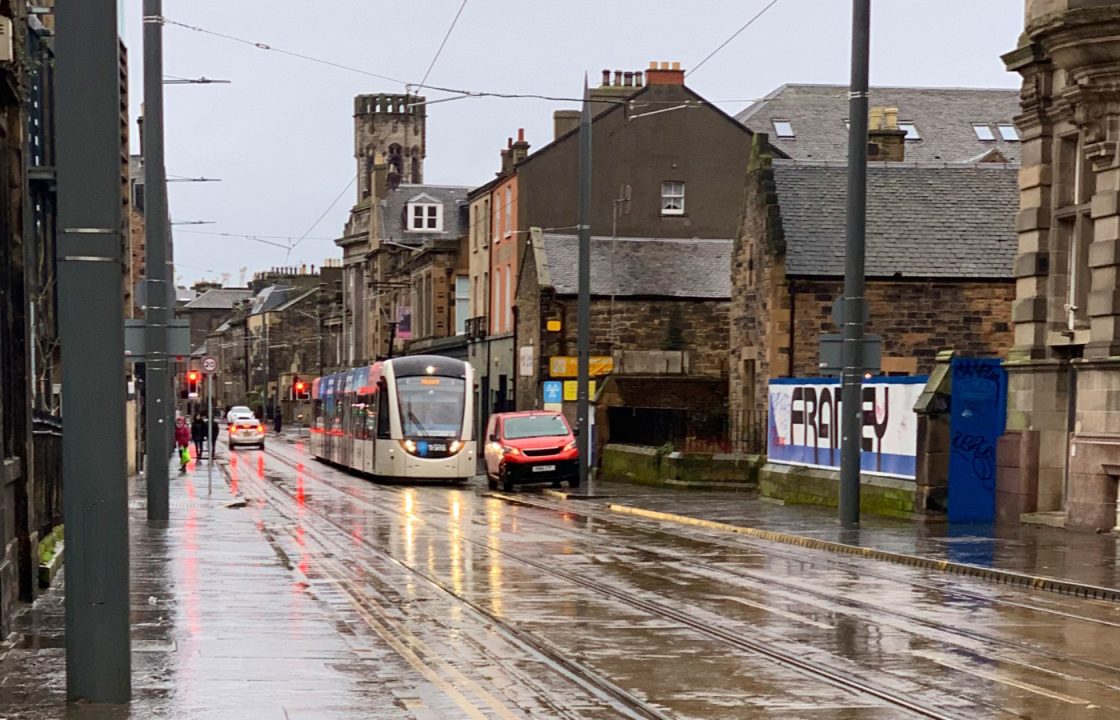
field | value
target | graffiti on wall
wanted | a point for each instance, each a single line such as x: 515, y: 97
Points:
x: 804, y: 424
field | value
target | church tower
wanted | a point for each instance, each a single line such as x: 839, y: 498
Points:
x: 395, y: 127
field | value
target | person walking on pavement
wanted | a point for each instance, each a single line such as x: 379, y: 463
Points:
x: 214, y: 429
x: 198, y: 434
x: 182, y: 442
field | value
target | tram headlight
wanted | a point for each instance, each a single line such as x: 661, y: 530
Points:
x: 456, y: 446
x: 409, y: 446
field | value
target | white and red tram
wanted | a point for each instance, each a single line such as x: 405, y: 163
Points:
x: 405, y: 418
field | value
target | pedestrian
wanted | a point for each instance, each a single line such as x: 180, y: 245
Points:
x: 198, y: 434
x: 277, y: 418
x: 214, y: 429
x: 182, y: 442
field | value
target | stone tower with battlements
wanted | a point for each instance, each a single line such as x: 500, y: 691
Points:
x: 395, y: 127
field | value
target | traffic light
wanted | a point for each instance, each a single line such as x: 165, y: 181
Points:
x: 300, y: 390
x: 192, y: 383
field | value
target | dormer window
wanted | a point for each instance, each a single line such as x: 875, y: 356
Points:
x: 425, y: 217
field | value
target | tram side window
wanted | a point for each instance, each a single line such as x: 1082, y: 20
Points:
x: 383, y: 411
x: 359, y: 415
x: 370, y: 419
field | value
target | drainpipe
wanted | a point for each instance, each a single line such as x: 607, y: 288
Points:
x: 792, y: 323
x: 516, y: 355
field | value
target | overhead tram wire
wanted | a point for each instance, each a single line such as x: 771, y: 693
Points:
x: 734, y: 35
x: 315, y: 224
x: 442, y: 44
x: 459, y: 93
x: 255, y: 238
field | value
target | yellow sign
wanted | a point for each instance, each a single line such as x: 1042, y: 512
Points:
x: 553, y: 326
x: 571, y: 390
x: 568, y: 366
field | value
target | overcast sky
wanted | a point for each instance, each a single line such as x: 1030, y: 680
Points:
x: 280, y: 136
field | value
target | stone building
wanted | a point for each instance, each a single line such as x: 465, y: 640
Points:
x: 209, y: 310
x: 395, y: 217
x: 939, y: 268
x: 1064, y: 395
x: 658, y: 319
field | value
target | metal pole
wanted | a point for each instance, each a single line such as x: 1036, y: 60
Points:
x: 210, y: 435
x: 853, y: 308
x: 583, y: 320
x: 91, y: 325
x: 157, y: 313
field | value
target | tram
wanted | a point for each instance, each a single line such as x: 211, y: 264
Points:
x: 408, y: 418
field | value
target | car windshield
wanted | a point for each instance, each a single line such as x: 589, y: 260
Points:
x: 240, y: 410
x: 431, y: 406
x: 531, y: 426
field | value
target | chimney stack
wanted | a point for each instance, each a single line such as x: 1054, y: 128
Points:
x: 563, y: 122
x: 520, y: 149
x: 886, y: 142
x: 380, y: 175
x: 507, y: 156
x: 664, y: 74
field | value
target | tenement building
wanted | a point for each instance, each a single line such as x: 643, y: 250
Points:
x: 1064, y: 368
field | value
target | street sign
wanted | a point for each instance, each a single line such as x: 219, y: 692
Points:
x: 553, y: 391
x: 568, y: 366
x: 209, y: 365
x: 571, y: 390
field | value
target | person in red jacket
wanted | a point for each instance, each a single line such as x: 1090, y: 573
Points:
x: 182, y: 442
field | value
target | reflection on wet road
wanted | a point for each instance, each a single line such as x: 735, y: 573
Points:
x: 554, y: 609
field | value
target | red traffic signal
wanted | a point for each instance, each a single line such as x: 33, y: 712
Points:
x: 192, y: 376
x: 300, y: 390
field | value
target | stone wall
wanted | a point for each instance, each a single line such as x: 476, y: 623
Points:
x: 915, y: 319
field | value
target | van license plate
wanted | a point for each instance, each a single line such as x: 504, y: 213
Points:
x: 543, y: 468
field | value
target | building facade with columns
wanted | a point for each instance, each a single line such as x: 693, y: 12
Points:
x: 1063, y: 441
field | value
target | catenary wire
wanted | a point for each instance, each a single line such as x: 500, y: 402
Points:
x: 734, y: 35
x: 443, y: 43
x: 323, y: 215
x: 457, y: 93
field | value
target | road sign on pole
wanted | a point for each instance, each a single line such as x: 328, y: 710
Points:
x: 209, y: 364
x: 210, y: 423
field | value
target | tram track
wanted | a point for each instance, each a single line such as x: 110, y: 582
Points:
x: 766, y: 583
x: 586, y: 678
x: 724, y: 636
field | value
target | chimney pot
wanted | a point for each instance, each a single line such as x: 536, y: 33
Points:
x: 664, y: 66
x: 638, y: 79
x: 628, y: 79
x: 652, y: 64
x: 676, y: 65
x: 509, y: 142
x: 606, y: 77
x: 520, y: 135
x: 618, y: 78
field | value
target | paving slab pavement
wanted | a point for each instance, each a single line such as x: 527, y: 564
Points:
x: 1084, y: 558
x: 220, y: 629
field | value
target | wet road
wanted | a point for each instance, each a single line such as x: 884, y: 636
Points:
x: 544, y: 608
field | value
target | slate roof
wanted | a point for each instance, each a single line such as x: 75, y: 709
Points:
x: 653, y: 267
x: 393, y: 207
x: 943, y: 116
x: 922, y: 220
x: 219, y: 299
x: 271, y: 298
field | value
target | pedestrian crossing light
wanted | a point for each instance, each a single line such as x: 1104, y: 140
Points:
x: 299, y: 390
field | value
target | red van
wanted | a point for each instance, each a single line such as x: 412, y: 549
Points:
x: 530, y: 447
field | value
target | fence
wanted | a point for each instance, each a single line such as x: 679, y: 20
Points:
x: 748, y: 435
x: 46, y: 512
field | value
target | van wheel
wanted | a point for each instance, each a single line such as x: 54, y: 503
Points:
x: 491, y: 482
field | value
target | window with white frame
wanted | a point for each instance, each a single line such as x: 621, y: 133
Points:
x: 508, y: 211
x: 1008, y: 132
x: 425, y: 217
x: 672, y: 198
x: 462, y: 303
x: 983, y: 132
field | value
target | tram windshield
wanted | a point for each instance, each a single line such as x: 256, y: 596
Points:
x: 431, y: 406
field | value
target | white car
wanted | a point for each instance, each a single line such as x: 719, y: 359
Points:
x: 246, y: 431
x: 239, y: 411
